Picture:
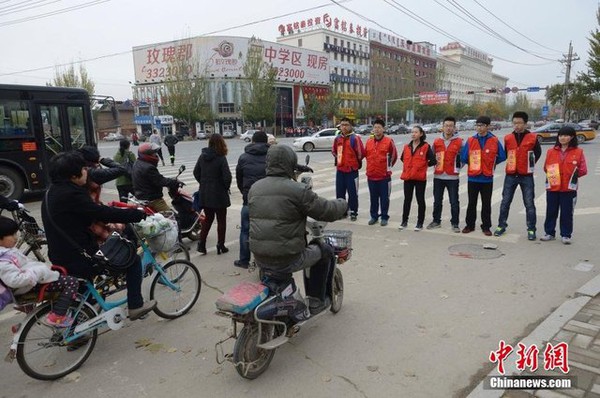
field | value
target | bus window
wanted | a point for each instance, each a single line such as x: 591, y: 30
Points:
x: 14, y: 119
x: 52, y: 129
x: 76, y: 126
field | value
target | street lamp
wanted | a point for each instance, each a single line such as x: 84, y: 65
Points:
x: 397, y: 100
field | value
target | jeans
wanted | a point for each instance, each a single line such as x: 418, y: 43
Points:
x: 409, y: 187
x: 565, y: 203
x: 347, y: 182
x: 511, y: 182
x: 474, y: 189
x: 245, y: 235
x: 379, y: 192
x: 439, y: 185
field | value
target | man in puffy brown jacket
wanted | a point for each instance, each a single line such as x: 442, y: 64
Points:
x: 278, y: 208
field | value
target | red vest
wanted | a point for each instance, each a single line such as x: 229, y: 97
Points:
x: 559, y: 172
x: 377, y: 154
x: 446, y: 157
x: 517, y: 156
x: 415, y: 164
x: 482, y: 161
x: 347, y: 156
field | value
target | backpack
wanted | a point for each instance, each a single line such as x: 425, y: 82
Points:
x: 353, y: 145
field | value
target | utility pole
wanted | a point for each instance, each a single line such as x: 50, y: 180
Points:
x: 567, y: 60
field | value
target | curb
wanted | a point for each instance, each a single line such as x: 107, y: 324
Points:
x: 544, y: 332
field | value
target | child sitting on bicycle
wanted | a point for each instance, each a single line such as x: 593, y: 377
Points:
x: 23, y: 275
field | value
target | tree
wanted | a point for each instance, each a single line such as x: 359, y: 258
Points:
x: 186, y: 92
x: 259, y: 100
x: 70, y: 78
x: 328, y: 107
x: 591, y: 78
x: 580, y: 104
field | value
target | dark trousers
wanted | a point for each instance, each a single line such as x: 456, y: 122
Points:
x: 511, y: 182
x: 221, y: 224
x: 347, y: 182
x: 160, y: 155
x: 439, y: 185
x: 474, y: 189
x: 245, y: 235
x: 379, y: 192
x: 563, y: 202
x: 171, y: 150
x: 124, y: 191
x: 409, y: 187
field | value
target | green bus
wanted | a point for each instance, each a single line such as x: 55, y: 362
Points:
x: 37, y: 122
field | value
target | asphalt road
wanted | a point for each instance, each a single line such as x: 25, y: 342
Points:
x: 416, y: 320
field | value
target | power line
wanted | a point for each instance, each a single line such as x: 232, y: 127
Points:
x: 52, y: 13
x: 23, y: 6
x: 513, y: 29
x: 421, y: 20
x: 149, y: 46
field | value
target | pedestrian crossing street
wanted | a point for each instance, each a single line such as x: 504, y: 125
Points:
x: 324, y: 185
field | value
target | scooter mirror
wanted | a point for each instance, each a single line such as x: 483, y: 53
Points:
x: 181, y: 168
x: 307, y: 159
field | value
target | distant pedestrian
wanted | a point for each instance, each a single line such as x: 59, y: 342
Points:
x: 348, y: 153
x: 482, y: 153
x: 522, y: 153
x: 125, y: 158
x: 417, y: 156
x: 381, y: 156
x: 565, y: 163
x: 170, y: 142
x: 446, y: 174
x: 135, y: 139
x: 251, y: 167
x: 155, y: 139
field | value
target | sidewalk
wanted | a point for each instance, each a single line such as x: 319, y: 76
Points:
x: 577, y: 323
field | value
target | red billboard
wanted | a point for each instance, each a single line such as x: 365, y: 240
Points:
x: 434, y: 97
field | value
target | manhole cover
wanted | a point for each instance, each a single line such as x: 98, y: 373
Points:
x: 476, y: 252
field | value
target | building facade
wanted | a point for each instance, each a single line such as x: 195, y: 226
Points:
x: 347, y: 48
x: 467, y: 73
x: 220, y: 61
x: 399, y: 69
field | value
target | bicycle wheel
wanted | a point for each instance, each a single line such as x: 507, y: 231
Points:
x: 37, y: 251
x: 337, y: 291
x: 251, y: 361
x: 171, y: 303
x: 42, y: 352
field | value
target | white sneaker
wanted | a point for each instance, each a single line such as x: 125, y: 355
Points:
x: 566, y: 240
x: 547, y: 238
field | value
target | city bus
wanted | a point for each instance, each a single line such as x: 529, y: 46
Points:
x: 37, y: 122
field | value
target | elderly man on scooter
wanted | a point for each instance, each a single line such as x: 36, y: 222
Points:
x: 278, y: 207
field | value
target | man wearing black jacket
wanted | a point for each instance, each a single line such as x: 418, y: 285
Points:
x: 148, y: 183
x: 72, y: 212
x: 250, y: 168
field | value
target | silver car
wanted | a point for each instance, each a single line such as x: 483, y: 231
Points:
x: 320, y: 140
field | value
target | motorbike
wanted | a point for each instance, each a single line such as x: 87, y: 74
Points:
x: 189, y: 219
x: 273, y: 311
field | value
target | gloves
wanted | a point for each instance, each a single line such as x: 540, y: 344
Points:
x: 173, y: 184
x: 14, y: 206
x: 303, y: 169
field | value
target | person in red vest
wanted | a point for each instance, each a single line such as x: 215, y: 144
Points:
x: 348, y: 152
x: 565, y: 163
x: 416, y: 156
x: 481, y: 153
x: 381, y: 155
x: 445, y: 175
x: 522, y: 153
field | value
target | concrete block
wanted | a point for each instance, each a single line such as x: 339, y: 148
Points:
x: 583, y: 317
x: 592, y: 288
x: 595, y: 389
x: 581, y: 340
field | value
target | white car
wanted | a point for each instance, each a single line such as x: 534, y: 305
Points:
x: 228, y: 134
x: 320, y: 140
x: 247, y: 136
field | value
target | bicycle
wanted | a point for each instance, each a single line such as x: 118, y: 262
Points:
x: 47, y: 353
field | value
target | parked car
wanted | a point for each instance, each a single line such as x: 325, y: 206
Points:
x: 228, y: 134
x: 320, y: 140
x: 182, y: 133
x: 548, y: 132
x: 495, y: 126
x: 247, y: 135
x: 113, y: 137
x: 589, y: 123
x: 201, y: 135
x: 398, y: 129
x: 430, y: 128
x: 365, y: 129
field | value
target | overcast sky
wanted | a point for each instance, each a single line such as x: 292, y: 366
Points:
x: 102, y: 28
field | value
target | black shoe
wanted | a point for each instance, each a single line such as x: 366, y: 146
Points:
x: 201, y: 248
x: 317, y: 305
x: 241, y: 264
x: 222, y: 249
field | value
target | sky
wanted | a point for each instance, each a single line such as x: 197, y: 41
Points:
x: 38, y: 35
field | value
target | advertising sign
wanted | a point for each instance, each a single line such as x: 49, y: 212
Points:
x: 434, y: 97
x: 224, y: 56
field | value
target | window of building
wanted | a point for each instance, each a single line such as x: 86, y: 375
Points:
x: 342, y: 57
x: 327, y: 39
x: 335, y: 56
x: 335, y: 41
x: 354, y: 46
x: 226, y: 107
x: 341, y: 43
x: 299, y: 42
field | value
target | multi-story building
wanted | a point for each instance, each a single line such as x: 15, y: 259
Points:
x: 348, y: 50
x: 220, y: 61
x: 399, y: 68
x: 467, y: 73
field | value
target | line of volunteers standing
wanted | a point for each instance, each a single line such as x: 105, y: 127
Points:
x: 480, y: 154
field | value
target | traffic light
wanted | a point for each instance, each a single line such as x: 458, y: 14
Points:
x: 491, y: 90
x: 470, y: 92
